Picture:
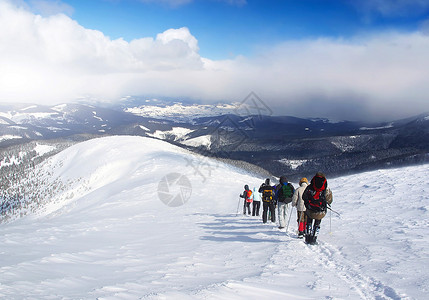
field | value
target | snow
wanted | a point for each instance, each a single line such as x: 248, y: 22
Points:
x: 179, y: 133
x: 115, y: 238
x: 43, y: 149
x: 96, y: 117
x: 9, y: 137
x: 293, y: 163
x: 182, y: 112
x: 29, y: 107
x: 4, y: 122
x: 390, y: 125
x: 144, y: 128
x: 204, y: 140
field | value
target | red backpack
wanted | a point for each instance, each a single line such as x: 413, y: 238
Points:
x: 248, y: 195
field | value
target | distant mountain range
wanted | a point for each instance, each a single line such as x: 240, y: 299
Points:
x: 282, y: 145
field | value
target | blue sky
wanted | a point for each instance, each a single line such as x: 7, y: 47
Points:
x: 350, y: 59
x: 225, y: 29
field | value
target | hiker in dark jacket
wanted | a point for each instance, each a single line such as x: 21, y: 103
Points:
x: 268, y: 201
x: 283, y: 192
x: 317, y: 196
x: 247, y: 195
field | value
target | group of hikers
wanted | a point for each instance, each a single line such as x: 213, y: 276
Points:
x: 311, y: 199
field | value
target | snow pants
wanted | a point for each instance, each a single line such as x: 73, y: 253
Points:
x: 268, y: 206
x: 256, y: 208
x: 283, y: 212
x: 302, y: 220
x: 312, y: 230
x: 246, y: 205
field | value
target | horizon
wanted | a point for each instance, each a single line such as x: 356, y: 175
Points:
x: 363, y: 61
x: 232, y: 108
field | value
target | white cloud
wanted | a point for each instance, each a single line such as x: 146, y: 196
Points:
x: 54, y: 59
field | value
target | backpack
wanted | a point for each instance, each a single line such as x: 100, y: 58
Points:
x: 317, y: 205
x: 267, y: 195
x: 248, y: 196
x: 285, y: 193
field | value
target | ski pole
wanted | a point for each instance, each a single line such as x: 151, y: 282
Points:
x: 330, y: 222
x: 290, y: 214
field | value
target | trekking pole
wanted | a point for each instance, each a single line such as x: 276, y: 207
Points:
x: 330, y: 222
x: 238, y: 205
x: 334, y: 211
x: 290, y: 214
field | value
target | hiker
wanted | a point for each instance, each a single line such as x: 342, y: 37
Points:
x: 247, y: 195
x: 317, y: 196
x: 256, y: 202
x: 283, y: 193
x: 268, y: 202
x: 300, y: 207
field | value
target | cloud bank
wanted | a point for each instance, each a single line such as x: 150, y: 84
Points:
x: 53, y: 59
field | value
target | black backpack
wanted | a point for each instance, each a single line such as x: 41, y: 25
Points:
x: 267, y: 194
x: 312, y: 204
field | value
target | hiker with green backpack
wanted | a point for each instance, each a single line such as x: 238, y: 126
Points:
x: 283, y: 193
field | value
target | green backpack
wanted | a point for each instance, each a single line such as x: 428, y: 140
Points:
x: 285, y: 193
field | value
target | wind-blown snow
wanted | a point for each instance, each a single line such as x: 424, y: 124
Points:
x: 115, y: 239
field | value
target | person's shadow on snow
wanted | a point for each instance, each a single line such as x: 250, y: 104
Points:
x: 232, y: 228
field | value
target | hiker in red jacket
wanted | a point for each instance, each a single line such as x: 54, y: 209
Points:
x: 247, y: 195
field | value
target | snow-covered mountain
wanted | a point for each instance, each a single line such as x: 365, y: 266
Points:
x: 109, y: 224
x: 180, y: 112
x: 279, y: 144
x: 25, y: 122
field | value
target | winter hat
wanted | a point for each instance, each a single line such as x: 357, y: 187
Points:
x: 319, y: 180
x: 246, y: 187
x: 267, y: 181
x: 303, y: 179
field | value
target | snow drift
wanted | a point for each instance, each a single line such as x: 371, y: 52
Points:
x: 108, y: 233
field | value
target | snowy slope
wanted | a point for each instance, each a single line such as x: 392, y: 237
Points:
x: 108, y: 235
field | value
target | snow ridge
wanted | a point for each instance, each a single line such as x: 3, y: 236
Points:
x: 115, y: 238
